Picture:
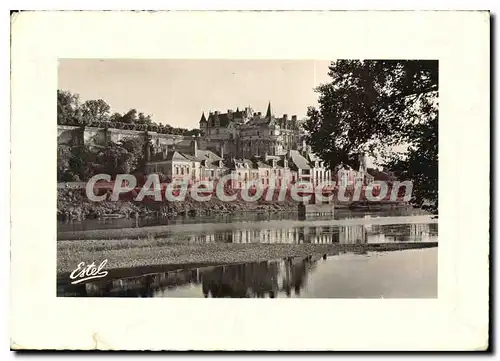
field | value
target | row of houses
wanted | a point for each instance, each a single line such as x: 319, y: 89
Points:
x: 185, y: 161
x: 193, y: 164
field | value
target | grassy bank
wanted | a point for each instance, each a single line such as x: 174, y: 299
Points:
x: 155, y: 252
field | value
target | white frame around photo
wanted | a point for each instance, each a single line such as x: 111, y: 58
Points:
x: 457, y: 320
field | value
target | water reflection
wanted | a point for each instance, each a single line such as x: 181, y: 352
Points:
x: 325, y: 235
x: 225, y: 218
x: 411, y: 273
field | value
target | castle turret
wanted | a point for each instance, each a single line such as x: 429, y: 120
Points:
x: 203, y: 123
x: 268, y: 113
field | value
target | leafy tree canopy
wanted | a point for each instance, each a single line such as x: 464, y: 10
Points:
x: 71, y: 111
x: 374, y: 106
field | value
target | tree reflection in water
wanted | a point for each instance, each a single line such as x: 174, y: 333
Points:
x: 257, y: 279
x: 260, y: 279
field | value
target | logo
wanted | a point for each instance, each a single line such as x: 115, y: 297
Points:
x: 84, y: 272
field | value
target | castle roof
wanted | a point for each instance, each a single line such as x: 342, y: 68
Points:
x: 268, y: 113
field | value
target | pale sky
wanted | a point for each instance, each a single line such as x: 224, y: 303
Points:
x: 176, y: 92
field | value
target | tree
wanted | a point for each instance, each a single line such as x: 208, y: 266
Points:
x: 371, y: 107
x: 136, y: 147
x: 116, y: 159
x: 68, y: 108
x: 143, y: 119
x: 195, y: 132
x: 63, y: 159
x: 130, y: 117
x: 82, y: 162
x: 95, y: 111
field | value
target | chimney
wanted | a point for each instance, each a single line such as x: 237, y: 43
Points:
x: 216, y: 112
x: 229, y: 111
x: 294, y: 118
x: 362, y: 163
x: 222, y: 150
x: 164, y: 152
x: 195, y: 146
x: 285, y: 117
x: 259, y: 114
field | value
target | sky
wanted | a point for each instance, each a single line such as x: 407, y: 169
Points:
x: 176, y: 92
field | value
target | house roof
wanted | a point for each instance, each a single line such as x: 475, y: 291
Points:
x: 261, y: 164
x: 171, y: 156
x: 208, y: 154
x: 299, y: 160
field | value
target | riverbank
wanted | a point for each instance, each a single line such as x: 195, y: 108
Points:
x: 172, y: 254
x: 73, y: 204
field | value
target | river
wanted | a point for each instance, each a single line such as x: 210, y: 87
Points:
x: 408, y: 273
x: 397, y: 274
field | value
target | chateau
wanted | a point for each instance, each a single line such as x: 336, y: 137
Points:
x: 251, y: 147
x: 246, y: 144
x: 245, y: 134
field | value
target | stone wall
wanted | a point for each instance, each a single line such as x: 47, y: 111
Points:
x: 99, y: 136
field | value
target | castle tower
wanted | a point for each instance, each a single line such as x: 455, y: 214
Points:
x: 203, y: 123
x: 268, y: 113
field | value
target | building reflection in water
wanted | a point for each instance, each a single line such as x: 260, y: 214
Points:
x: 325, y: 235
x: 250, y: 280
x: 262, y: 279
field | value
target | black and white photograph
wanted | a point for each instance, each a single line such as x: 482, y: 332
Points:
x: 179, y: 178
x: 234, y: 180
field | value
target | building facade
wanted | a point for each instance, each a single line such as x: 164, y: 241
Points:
x: 250, y: 146
x: 246, y: 133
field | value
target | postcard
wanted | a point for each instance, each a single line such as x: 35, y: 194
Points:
x: 299, y: 176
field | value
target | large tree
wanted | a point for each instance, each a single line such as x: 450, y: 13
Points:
x: 68, y: 108
x: 95, y: 111
x: 374, y: 107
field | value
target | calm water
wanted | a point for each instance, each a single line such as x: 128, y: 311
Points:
x: 360, y: 234
x: 225, y: 218
x: 398, y: 274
